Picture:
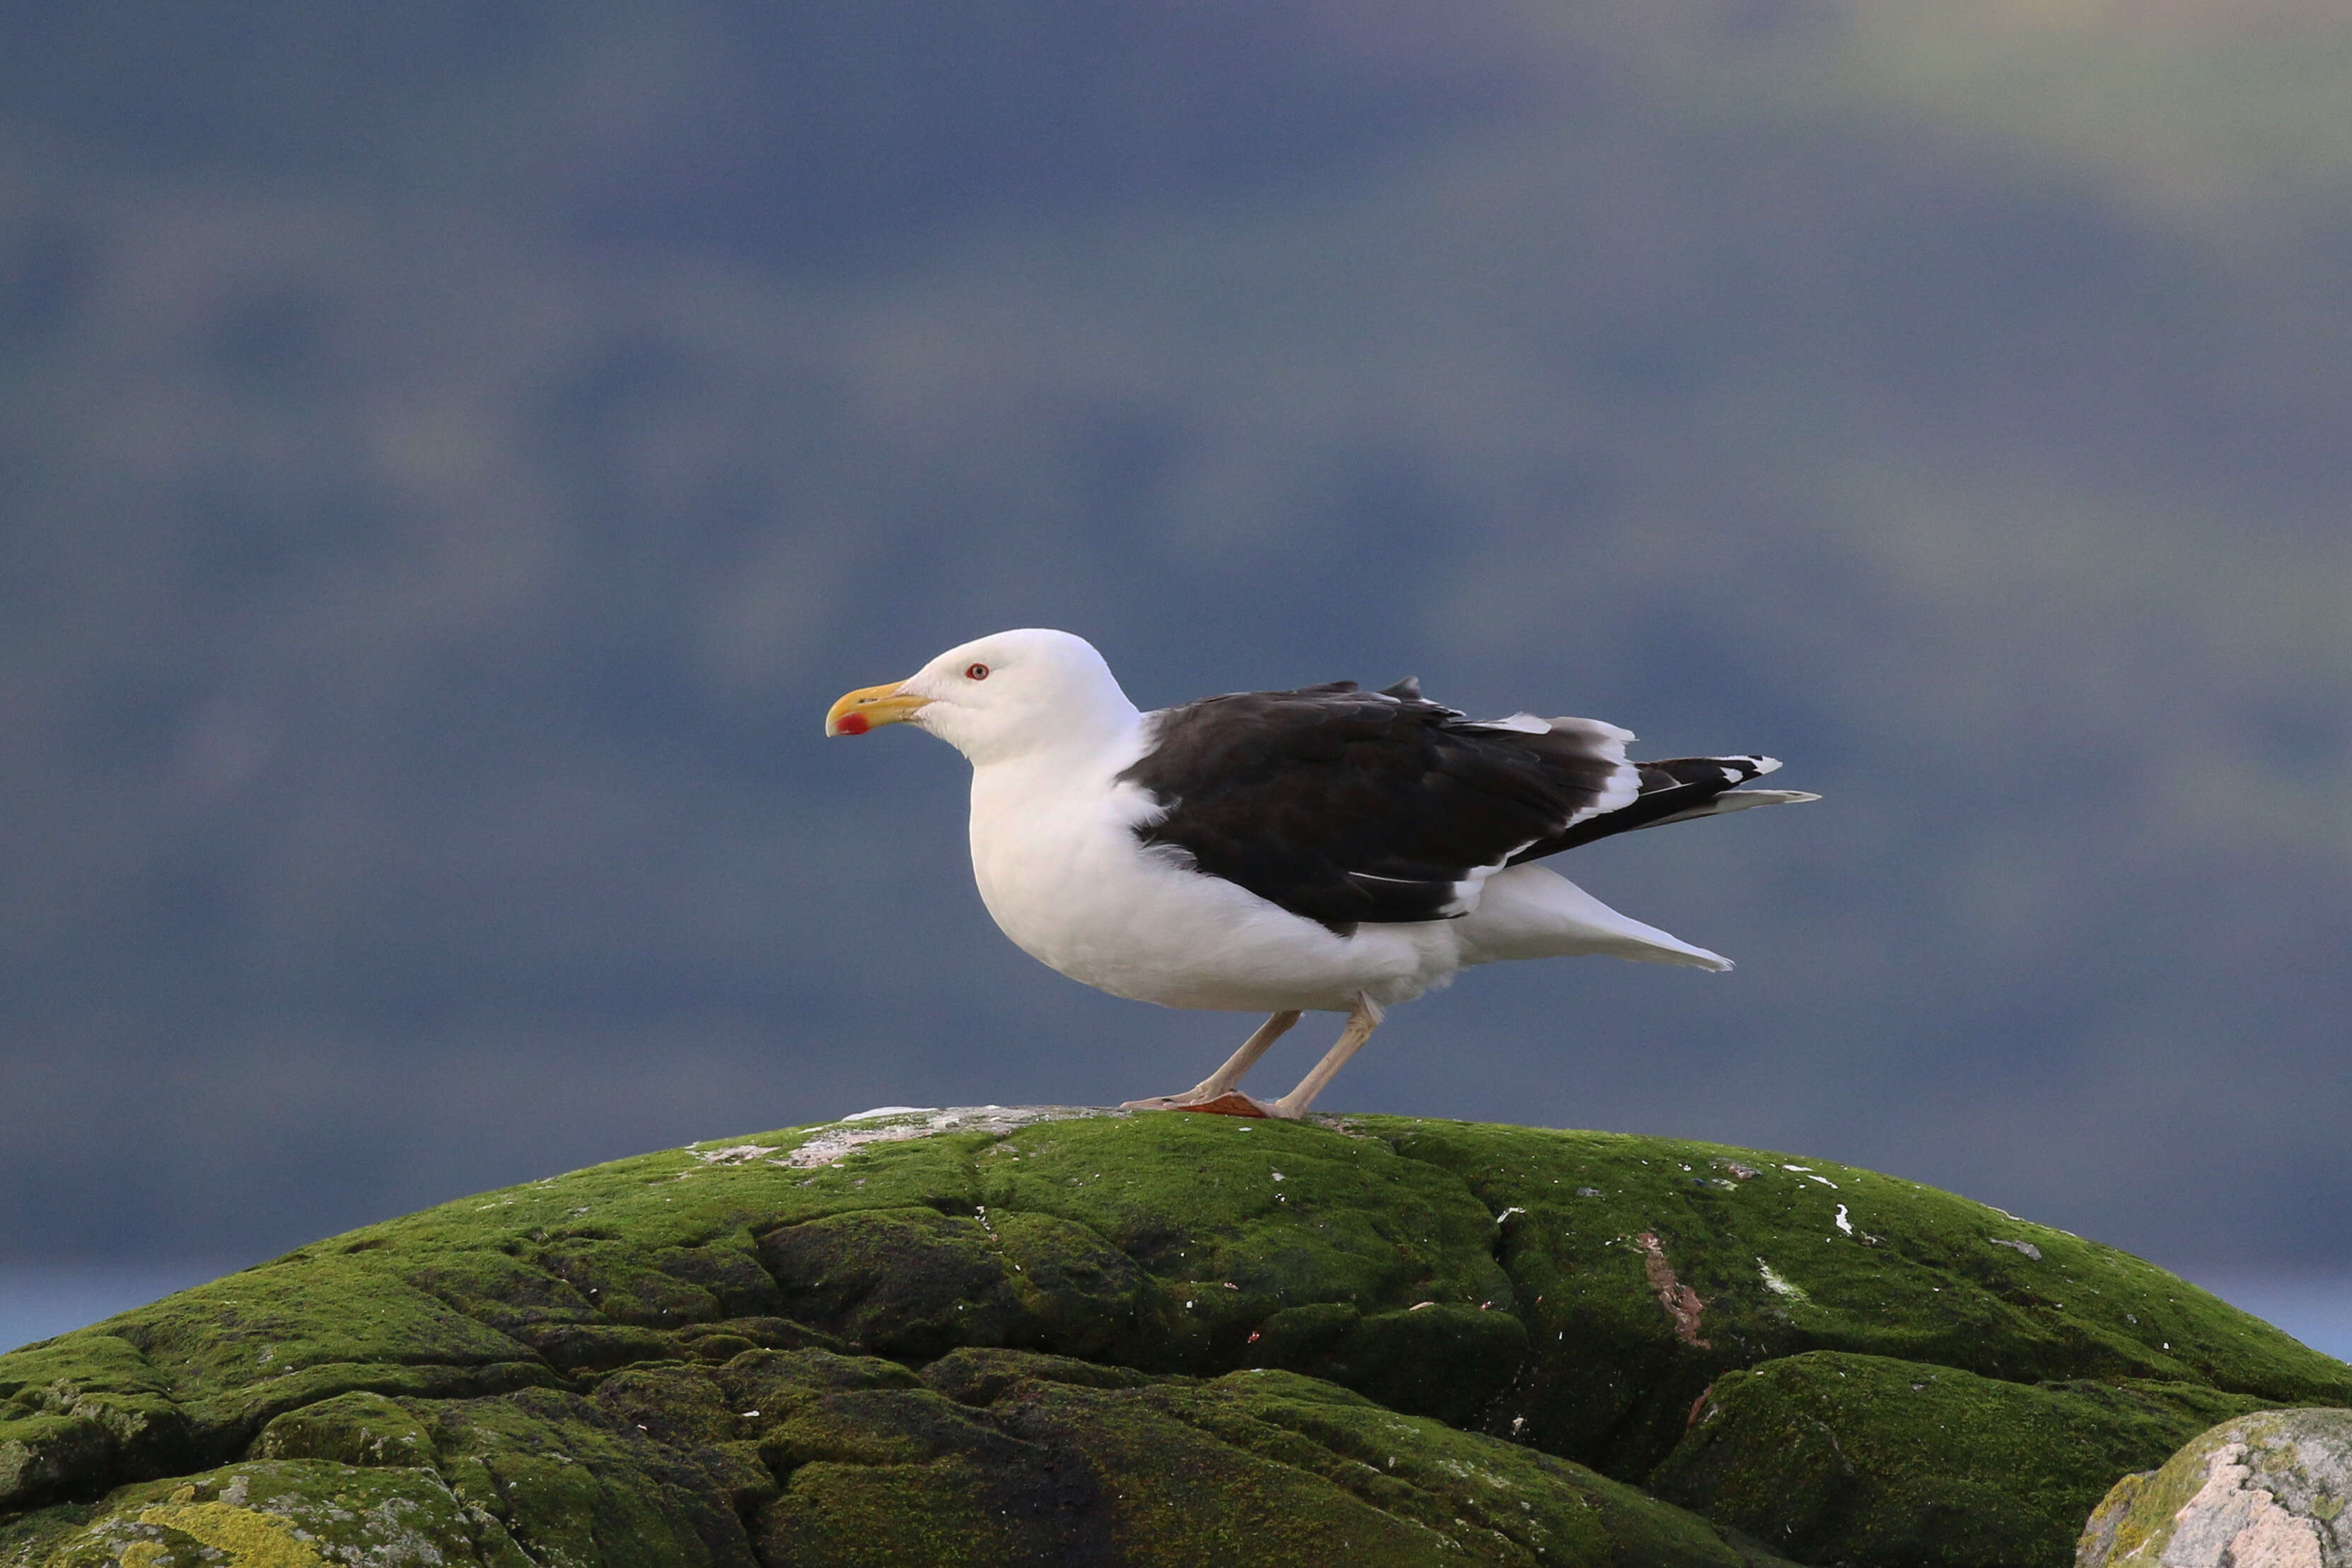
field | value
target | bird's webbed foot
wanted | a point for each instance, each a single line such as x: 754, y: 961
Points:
x: 1216, y: 1095
x: 1229, y: 1103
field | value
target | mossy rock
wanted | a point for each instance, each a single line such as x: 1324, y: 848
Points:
x: 1831, y: 1455
x: 1058, y: 1334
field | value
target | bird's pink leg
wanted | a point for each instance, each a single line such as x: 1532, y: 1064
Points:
x: 1216, y: 1093
x: 1365, y: 1018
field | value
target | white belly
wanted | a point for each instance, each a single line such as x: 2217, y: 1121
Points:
x: 1060, y: 869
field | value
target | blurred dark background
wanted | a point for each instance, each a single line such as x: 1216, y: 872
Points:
x: 451, y: 455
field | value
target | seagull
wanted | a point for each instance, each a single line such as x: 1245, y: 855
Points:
x: 1328, y: 849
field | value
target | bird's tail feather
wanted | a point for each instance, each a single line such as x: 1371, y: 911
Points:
x: 1533, y: 911
x: 1738, y: 800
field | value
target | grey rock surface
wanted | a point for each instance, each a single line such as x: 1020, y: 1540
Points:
x: 2272, y: 1490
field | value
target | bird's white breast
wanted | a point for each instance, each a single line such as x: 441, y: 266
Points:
x: 1058, y: 865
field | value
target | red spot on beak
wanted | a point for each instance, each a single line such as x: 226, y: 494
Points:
x: 853, y: 723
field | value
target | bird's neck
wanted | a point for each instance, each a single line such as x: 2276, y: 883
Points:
x: 1068, y: 737
x: 1083, y: 757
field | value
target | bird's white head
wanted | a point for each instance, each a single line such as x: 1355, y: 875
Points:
x: 999, y: 697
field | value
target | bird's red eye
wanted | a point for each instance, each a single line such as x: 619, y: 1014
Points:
x: 975, y: 672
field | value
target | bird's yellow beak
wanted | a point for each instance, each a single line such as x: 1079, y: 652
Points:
x: 869, y: 706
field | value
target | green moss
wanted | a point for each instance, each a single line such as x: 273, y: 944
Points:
x: 362, y: 1429
x: 1263, y: 1468
x: 30, y: 1537
x: 855, y: 1514
x: 1286, y: 1213
x: 1455, y: 1362
x: 915, y: 1282
x: 1912, y: 1273
x: 1503, y: 1500
x: 977, y: 1377
x: 242, y: 1349
x: 46, y: 1456
x: 1901, y: 1463
x: 572, y: 1481
x: 80, y: 1406
x: 575, y: 1357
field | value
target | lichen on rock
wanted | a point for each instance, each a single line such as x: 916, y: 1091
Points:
x: 283, y: 1514
x: 2271, y: 1490
x: 988, y: 1336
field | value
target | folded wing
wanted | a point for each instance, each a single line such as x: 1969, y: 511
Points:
x: 1346, y: 806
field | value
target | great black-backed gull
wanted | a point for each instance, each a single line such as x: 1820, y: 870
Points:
x: 1328, y: 849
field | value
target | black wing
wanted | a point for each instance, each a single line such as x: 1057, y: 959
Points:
x: 1344, y: 806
